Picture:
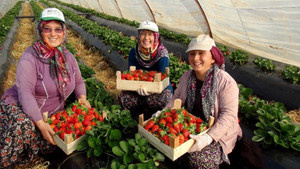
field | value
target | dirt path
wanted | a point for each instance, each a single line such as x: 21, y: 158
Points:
x: 24, y: 38
x: 93, y: 59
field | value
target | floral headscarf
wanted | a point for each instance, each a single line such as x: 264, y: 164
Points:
x: 148, y: 57
x: 59, y: 69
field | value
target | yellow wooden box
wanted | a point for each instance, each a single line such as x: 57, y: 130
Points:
x: 131, y: 85
x: 174, y: 151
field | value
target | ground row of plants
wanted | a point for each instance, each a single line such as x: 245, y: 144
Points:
x: 273, y: 126
x: 8, y: 20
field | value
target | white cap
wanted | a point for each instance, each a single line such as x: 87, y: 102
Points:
x: 202, y: 42
x: 148, y: 25
x: 52, y: 14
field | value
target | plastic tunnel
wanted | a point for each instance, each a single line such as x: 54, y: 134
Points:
x: 266, y: 28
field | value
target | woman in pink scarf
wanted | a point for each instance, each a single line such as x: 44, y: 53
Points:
x: 47, y: 73
x: 208, y: 90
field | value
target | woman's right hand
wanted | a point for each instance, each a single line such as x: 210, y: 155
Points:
x: 46, y: 131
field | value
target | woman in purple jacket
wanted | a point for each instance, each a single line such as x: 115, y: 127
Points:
x: 205, y: 91
x: 47, y: 73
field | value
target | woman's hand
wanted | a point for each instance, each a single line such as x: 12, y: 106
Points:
x: 201, y: 142
x: 46, y: 131
x: 143, y: 92
x: 86, y: 103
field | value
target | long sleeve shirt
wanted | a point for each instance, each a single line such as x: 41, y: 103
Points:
x: 36, y: 91
x: 226, y: 129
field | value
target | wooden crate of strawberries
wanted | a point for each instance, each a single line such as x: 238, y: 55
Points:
x: 169, y: 132
x: 71, y: 124
x: 133, y: 79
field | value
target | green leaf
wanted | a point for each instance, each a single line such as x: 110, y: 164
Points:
x: 132, y: 142
x: 125, y: 147
x: 90, y: 132
x: 257, y: 138
x: 142, y: 157
x: 118, y: 151
x: 142, y: 142
x: 137, y: 137
x: 82, y: 146
x: 132, y: 166
x: 260, y: 125
x: 90, y: 152
x: 159, y: 157
x: 98, y: 151
x: 128, y: 158
x: 91, y: 142
x: 112, y: 143
x: 123, y: 167
x: 295, y: 146
x: 115, y: 164
x: 115, y: 134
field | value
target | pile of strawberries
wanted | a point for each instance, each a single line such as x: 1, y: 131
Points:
x: 141, y: 75
x: 175, y: 122
x: 76, y: 120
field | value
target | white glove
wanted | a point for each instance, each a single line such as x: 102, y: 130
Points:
x: 143, y: 92
x: 201, y: 142
x: 157, y: 114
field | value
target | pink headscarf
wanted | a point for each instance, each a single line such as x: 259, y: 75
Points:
x: 218, y: 56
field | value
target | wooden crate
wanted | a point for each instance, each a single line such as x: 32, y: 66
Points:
x: 68, y: 145
x: 131, y: 85
x: 174, y: 151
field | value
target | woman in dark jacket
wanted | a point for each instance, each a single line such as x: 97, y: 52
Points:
x: 149, y: 54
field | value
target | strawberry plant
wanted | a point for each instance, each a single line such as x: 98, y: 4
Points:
x: 174, y: 122
x: 224, y: 49
x: 108, y: 134
x: 248, y: 104
x: 136, y: 153
x: 96, y: 94
x: 265, y: 65
x: 291, y: 73
x: 86, y: 72
x: 177, y: 68
x: 239, y: 57
x: 8, y: 20
x: 276, y: 128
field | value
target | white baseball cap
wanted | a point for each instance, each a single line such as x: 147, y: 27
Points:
x: 201, y: 42
x: 148, y: 25
x: 52, y: 14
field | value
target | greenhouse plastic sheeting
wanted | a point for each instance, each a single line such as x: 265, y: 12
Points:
x: 268, y: 28
x: 6, y: 5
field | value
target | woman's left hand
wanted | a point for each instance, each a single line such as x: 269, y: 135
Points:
x: 201, y: 142
x: 86, y: 103
x: 46, y: 131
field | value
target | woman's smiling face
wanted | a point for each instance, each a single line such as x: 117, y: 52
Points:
x: 146, y: 39
x: 53, y: 33
x: 201, y: 61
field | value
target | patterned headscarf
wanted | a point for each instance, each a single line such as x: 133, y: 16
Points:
x: 59, y: 69
x: 208, y: 90
x: 148, y: 57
